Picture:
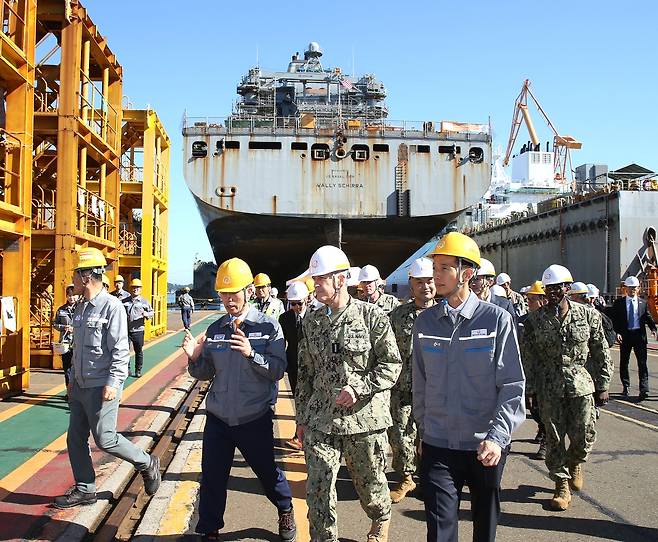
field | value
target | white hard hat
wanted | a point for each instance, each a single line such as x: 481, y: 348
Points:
x: 592, y: 291
x: 632, y: 282
x: 328, y: 259
x: 556, y: 274
x: 498, y: 291
x: 369, y: 273
x: 524, y: 289
x: 274, y: 292
x: 422, y: 268
x: 503, y: 278
x: 486, y: 268
x: 354, y: 276
x: 578, y: 288
x: 297, y: 291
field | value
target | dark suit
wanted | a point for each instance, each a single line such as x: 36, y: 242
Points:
x: 291, y: 332
x: 635, y: 340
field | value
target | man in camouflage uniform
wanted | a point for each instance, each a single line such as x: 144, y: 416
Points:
x: 402, y: 434
x: 557, y: 341
x: 519, y: 302
x: 370, y: 278
x: 348, y: 362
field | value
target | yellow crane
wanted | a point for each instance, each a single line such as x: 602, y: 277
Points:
x: 562, y: 144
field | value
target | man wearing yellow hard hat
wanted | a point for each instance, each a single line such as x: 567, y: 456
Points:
x: 118, y: 291
x: 139, y: 310
x: 265, y: 302
x: 468, y: 394
x: 243, y: 354
x: 99, y: 369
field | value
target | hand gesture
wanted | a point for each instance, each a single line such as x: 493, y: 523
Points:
x: 346, y: 397
x: 191, y: 346
x: 489, y: 453
x: 109, y: 393
x: 240, y: 343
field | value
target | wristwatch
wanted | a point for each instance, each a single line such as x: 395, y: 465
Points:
x: 252, y: 355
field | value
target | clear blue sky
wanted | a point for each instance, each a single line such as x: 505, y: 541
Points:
x: 593, y: 65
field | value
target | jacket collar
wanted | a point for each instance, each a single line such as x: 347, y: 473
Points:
x: 472, y: 302
x: 252, y: 317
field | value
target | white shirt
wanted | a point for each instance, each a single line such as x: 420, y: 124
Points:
x: 454, y: 313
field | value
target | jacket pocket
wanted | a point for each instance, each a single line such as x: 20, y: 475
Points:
x: 477, y: 355
x: 357, y: 347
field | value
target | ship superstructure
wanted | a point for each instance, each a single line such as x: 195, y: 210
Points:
x: 309, y: 157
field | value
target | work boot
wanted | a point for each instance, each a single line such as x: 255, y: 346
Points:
x: 541, y: 452
x: 562, y: 497
x: 624, y: 392
x: 379, y: 531
x: 138, y: 372
x: 576, y: 482
x: 400, y: 491
x: 74, y: 497
x: 287, y: 526
x: 152, y: 476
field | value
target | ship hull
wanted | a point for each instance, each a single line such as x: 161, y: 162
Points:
x: 281, y: 246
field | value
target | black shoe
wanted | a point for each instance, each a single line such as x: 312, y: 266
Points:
x: 643, y: 395
x: 539, y: 436
x: 74, y: 497
x: 541, y: 453
x: 138, y: 373
x: 624, y: 392
x: 287, y: 526
x: 152, y: 476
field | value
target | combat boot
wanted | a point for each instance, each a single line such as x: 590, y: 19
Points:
x: 562, y: 497
x: 379, y: 531
x: 541, y: 452
x: 400, y: 491
x: 576, y: 482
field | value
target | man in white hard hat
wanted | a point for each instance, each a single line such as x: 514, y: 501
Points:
x: 370, y: 279
x: 558, y: 339
x: 520, y: 305
x: 483, y: 282
x: 297, y: 295
x: 467, y: 394
x: 630, y: 317
x: 402, y: 434
x: 348, y: 362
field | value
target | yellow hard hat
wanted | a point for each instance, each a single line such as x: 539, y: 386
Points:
x: 106, y: 280
x: 135, y: 282
x: 261, y: 280
x: 310, y: 284
x: 537, y: 288
x: 119, y: 278
x: 233, y: 275
x: 458, y: 245
x: 90, y: 258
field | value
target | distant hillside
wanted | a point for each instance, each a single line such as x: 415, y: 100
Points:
x: 173, y: 287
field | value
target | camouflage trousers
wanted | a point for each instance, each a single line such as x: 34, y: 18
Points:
x: 365, y: 457
x: 573, y: 417
x: 402, y: 435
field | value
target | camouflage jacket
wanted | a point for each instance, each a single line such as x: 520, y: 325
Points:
x: 519, y: 302
x: 555, y: 353
x: 402, y: 321
x: 356, y: 349
x: 386, y: 302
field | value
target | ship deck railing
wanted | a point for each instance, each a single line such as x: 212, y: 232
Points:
x: 364, y: 127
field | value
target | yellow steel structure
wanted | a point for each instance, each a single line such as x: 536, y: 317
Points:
x: 17, y: 50
x: 77, y: 149
x: 143, y: 210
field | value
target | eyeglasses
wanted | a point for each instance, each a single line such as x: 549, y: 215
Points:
x: 296, y: 303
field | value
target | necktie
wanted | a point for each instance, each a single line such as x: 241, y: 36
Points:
x: 631, y: 318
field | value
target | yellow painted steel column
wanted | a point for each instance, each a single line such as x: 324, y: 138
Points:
x: 147, y: 251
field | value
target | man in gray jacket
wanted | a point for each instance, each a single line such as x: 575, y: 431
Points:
x: 99, y: 369
x: 468, y: 388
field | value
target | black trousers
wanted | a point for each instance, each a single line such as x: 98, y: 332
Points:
x: 255, y: 440
x: 186, y: 316
x: 633, y: 341
x: 443, y: 474
x: 137, y: 340
x: 67, y: 359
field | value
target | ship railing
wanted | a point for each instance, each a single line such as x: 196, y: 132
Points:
x: 96, y: 216
x: 310, y: 123
x: 129, y: 244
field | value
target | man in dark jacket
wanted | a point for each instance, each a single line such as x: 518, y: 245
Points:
x: 64, y: 324
x: 291, y: 324
x: 630, y: 317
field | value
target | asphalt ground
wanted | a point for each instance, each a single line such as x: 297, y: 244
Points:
x: 618, y: 501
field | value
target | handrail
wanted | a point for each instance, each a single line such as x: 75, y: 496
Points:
x: 96, y: 216
x: 13, y: 25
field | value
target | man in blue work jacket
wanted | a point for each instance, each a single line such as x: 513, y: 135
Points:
x: 99, y: 369
x: 138, y: 310
x: 468, y: 395
x: 244, y: 355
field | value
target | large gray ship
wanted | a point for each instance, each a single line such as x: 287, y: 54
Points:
x: 309, y: 156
